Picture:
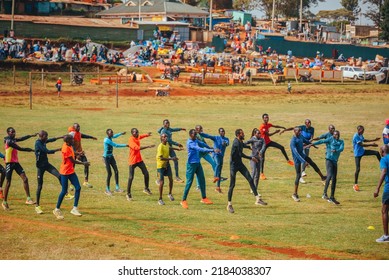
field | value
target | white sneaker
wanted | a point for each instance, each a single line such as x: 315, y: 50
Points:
x: 58, y: 214
x: 303, y: 174
x: 383, y: 238
x: 171, y: 198
x: 38, y: 210
x: 160, y: 202
x: 87, y: 184
x: 75, y: 212
x: 302, y: 181
x: 108, y: 192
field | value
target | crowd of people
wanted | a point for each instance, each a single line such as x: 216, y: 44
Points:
x: 302, y: 140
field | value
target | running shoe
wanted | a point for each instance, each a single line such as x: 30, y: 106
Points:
x: 325, y: 197
x: 215, y: 179
x: 184, y: 204
x: 303, y: 174
x: 198, y: 188
x: 262, y: 176
x: 383, y: 238
x: 206, y: 201
x: 75, y: 212
x: 5, y: 206
x: 218, y: 190
x: 29, y: 201
x: 230, y: 209
x: 118, y: 190
x: 58, y: 214
x: 296, y: 197
x: 38, y: 210
x: 157, y: 182
x: 160, y: 202
x: 147, y: 191
x: 108, y: 192
x: 129, y: 197
x: 223, y: 179
x: 87, y: 184
x: 259, y: 201
x: 290, y: 162
x: 302, y: 181
x: 1, y: 194
x: 68, y: 196
x: 170, y: 196
x: 179, y: 180
x: 356, y: 188
x: 333, y: 201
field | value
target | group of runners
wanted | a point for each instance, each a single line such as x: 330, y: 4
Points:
x: 197, y: 148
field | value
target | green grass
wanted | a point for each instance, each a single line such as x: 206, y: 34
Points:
x: 112, y: 228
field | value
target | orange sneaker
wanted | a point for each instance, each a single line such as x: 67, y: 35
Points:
x: 219, y: 190
x: 290, y: 162
x: 1, y: 194
x: 262, y: 176
x: 215, y: 179
x: 356, y: 188
x: 206, y: 201
x: 184, y: 204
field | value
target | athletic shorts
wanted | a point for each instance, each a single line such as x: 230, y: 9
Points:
x: 164, y: 172
x: 385, y: 198
x: 10, y: 167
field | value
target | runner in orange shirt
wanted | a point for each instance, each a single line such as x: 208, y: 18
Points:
x: 68, y: 174
x: 135, y: 160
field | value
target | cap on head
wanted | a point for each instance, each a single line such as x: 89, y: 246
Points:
x: 387, y: 122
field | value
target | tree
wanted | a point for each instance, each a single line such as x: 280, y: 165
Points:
x: 353, y: 7
x: 385, y: 21
x: 246, y: 5
x: 374, y: 11
x: 222, y: 4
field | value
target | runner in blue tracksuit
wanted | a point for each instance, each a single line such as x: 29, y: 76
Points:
x: 385, y: 132
x: 334, y: 147
x: 109, y: 159
x: 220, y: 142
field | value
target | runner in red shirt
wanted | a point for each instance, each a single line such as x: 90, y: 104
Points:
x: 265, y: 134
x: 135, y: 160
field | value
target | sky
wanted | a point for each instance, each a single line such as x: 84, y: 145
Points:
x: 333, y: 5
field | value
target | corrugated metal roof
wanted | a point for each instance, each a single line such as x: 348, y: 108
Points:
x: 154, y: 7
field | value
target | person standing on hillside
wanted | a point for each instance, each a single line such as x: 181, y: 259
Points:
x: 265, y: 134
x: 12, y: 163
x: 236, y: 165
x: 68, y: 174
x: 135, y: 160
x: 109, y: 159
x: 79, y: 152
x: 359, y: 152
x: 43, y: 165
x: 166, y: 129
x: 334, y: 146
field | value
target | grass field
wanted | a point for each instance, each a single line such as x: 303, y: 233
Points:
x: 113, y: 228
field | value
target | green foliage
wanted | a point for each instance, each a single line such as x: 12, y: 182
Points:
x: 385, y: 21
x: 353, y: 7
x: 374, y: 12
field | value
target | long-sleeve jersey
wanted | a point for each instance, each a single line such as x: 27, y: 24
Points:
x: 134, y: 144
x: 77, y: 139
x: 41, y: 152
x: 237, y: 152
x: 258, y: 146
x: 109, y: 145
x: 296, y: 146
x: 219, y: 142
x: 334, y: 148
x: 11, y: 148
x: 169, y: 131
x: 194, y: 148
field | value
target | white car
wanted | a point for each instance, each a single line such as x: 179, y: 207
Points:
x: 355, y: 73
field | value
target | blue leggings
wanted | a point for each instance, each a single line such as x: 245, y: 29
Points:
x: 64, y: 182
x: 191, y: 170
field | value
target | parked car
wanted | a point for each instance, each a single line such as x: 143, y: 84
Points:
x: 374, y: 74
x: 355, y: 73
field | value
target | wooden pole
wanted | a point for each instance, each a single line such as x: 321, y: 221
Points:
x: 71, y: 75
x: 98, y: 74
x: 30, y: 77
x: 42, y: 77
x: 117, y: 91
x: 14, y: 73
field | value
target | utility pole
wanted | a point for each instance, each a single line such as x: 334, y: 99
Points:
x: 301, y: 16
x: 272, y: 14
